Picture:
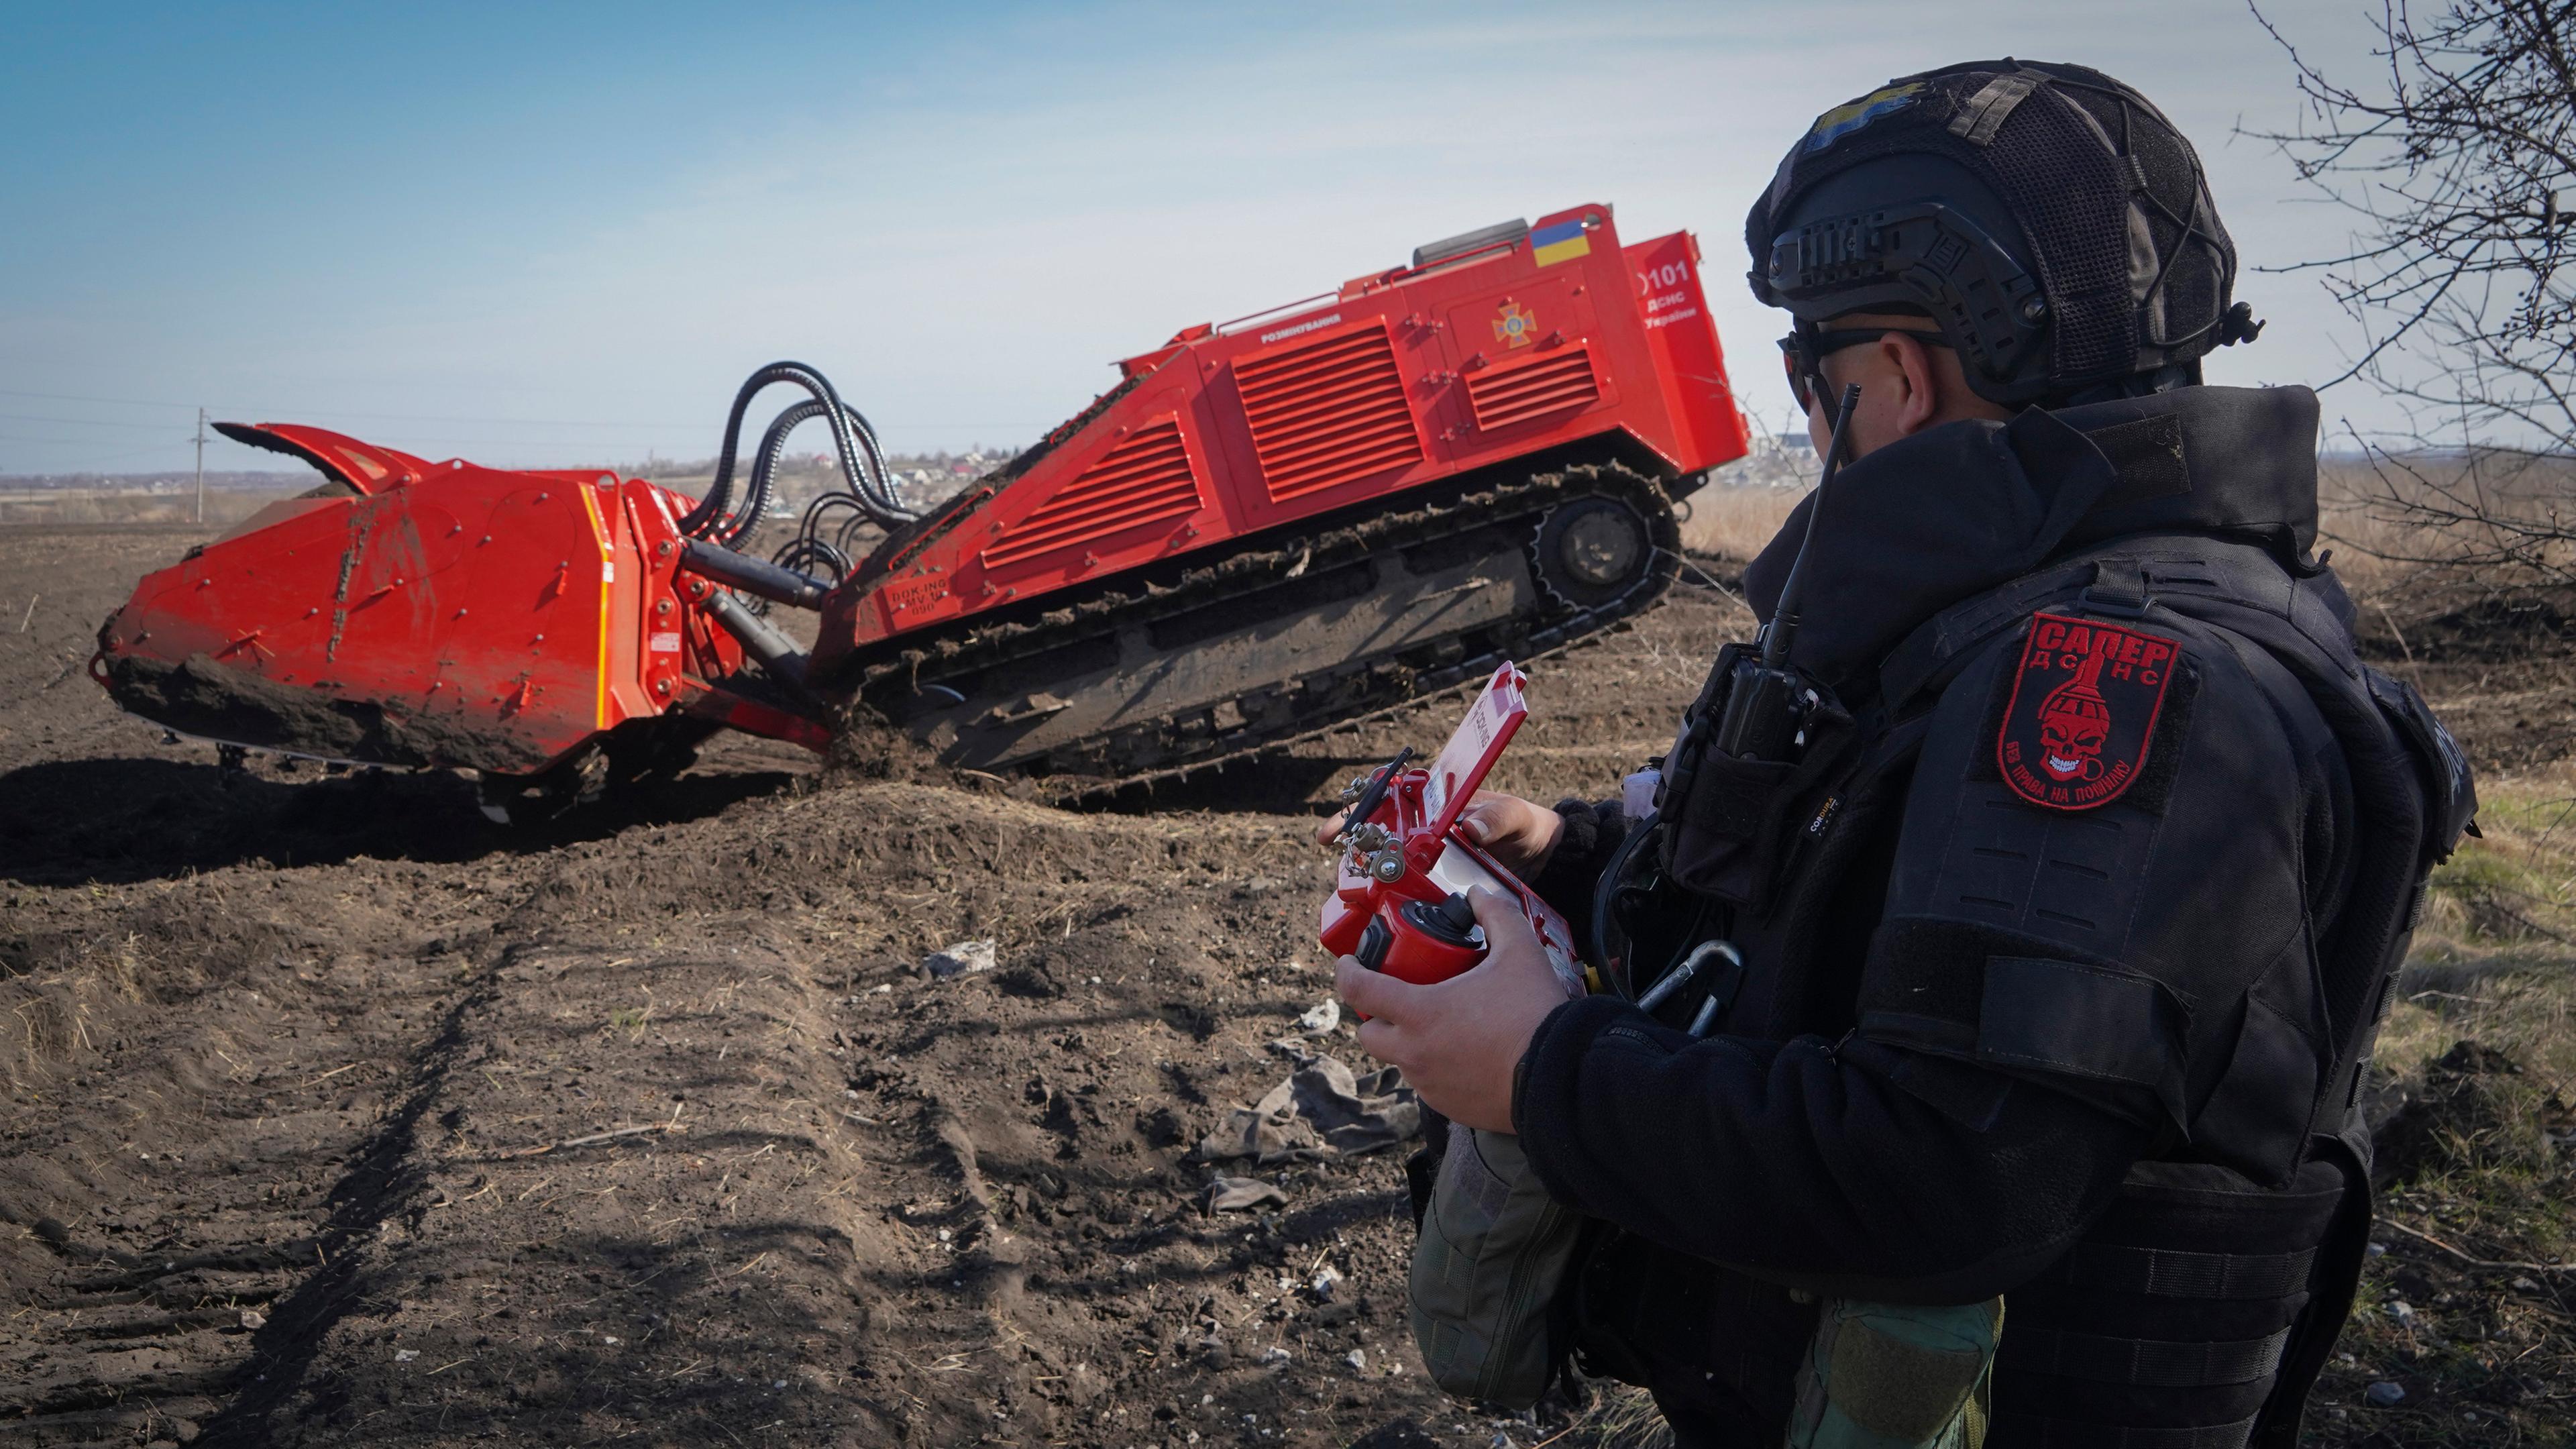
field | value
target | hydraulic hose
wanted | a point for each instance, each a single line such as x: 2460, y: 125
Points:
x: 751, y: 575
x: 813, y: 556
x: 862, y: 463
x: 811, y: 528
x: 764, y: 468
x: 879, y: 477
x: 773, y: 446
x: 847, y: 538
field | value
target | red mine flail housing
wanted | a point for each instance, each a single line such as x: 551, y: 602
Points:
x: 1266, y: 528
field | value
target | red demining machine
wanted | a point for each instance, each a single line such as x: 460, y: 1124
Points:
x: 1264, y: 529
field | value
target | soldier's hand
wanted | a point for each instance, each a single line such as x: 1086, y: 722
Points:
x: 1458, y: 1041
x: 1519, y: 836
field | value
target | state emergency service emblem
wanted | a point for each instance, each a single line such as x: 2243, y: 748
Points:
x: 2083, y: 711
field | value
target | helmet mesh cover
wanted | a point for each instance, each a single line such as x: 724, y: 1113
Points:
x: 2115, y: 213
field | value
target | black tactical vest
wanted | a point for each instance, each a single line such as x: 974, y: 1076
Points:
x: 2194, y: 1312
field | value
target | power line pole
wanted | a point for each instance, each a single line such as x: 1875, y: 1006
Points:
x: 201, y: 465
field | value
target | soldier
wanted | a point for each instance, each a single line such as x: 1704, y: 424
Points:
x: 2069, y: 917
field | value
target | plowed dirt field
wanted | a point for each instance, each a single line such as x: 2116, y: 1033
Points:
x: 338, y: 1115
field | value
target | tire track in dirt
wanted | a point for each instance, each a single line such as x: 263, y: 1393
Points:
x: 380, y: 1176
x: 478, y: 1243
x: 865, y: 1206
x: 172, y: 1184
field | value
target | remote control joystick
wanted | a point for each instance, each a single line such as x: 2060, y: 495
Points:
x: 1451, y: 922
x: 1399, y: 902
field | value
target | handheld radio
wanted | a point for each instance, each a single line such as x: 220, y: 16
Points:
x: 1766, y: 700
x: 1767, y: 708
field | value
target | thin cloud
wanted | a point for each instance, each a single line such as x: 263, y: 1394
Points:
x: 963, y: 217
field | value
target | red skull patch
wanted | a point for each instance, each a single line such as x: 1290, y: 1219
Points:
x: 2083, y: 711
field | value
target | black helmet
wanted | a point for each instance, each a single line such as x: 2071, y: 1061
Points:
x: 2049, y: 219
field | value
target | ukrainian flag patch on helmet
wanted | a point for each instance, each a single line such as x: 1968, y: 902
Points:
x: 1850, y: 116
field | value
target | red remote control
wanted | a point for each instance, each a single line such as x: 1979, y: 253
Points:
x: 1400, y: 903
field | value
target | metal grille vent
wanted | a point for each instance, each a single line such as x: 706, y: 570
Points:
x: 1328, y: 412
x: 1146, y: 479
x: 1559, y: 379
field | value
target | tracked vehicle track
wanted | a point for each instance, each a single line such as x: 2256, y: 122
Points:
x: 997, y: 671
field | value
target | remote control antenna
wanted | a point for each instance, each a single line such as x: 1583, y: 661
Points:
x: 1782, y: 631
x: 1375, y: 791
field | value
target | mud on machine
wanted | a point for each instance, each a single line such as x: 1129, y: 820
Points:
x: 1265, y: 528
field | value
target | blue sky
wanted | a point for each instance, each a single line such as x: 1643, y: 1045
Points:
x: 534, y: 234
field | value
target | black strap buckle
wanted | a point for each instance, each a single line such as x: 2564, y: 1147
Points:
x: 2119, y: 589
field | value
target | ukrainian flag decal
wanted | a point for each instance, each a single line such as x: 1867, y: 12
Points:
x: 1562, y: 242
x: 1844, y: 119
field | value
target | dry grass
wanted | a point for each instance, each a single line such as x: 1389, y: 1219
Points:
x: 1733, y: 523
x: 1621, y: 1418
x: 2364, y: 537
x: 2507, y: 900
x: 2437, y: 528
x: 60, y: 990
x: 47, y: 1014
x: 2465, y: 1307
x: 121, y: 505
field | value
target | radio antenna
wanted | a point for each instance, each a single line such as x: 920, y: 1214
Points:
x: 1782, y: 631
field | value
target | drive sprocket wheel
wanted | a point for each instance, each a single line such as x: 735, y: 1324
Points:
x: 1592, y: 550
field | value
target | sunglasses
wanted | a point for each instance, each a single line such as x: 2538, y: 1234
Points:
x: 1804, y: 350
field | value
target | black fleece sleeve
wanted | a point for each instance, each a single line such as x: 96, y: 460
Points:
x: 1593, y: 831
x: 1855, y: 1169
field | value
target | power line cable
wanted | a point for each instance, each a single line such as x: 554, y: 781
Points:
x: 83, y: 422
x: 75, y: 397
x: 92, y: 464
x: 667, y: 424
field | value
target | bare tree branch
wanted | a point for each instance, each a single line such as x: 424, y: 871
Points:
x: 2458, y: 169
